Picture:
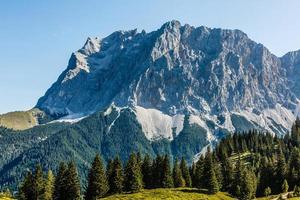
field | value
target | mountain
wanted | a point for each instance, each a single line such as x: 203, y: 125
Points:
x: 172, y: 91
x: 215, y: 75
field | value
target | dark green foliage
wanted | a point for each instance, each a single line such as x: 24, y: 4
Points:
x: 116, y: 178
x: 185, y: 173
x: 295, y: 133
x: 157, y: 172
x: 86, y: 138
x: 245, y: 165
x: 294, y: 168
x: 177, y: 175
x: 280, y: 171
x: 247, y: 187
x: 72, y: 184
x: 147, y: 172
x: 227, y: 174
x: 133, y: 177
x: 97, y: 180
x: 26, y: 191
x: 166, y: 178
x: 67, y: 185
x: 33, y: 186
x: 209, y: 175
x: 198, y: 180
x: 266, y: 174
x: 60, y: 179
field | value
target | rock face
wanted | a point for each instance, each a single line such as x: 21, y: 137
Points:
x: 222, y: 79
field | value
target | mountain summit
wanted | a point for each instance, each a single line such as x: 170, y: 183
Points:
x: 215, y: 76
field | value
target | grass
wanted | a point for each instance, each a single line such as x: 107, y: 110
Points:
x: 171, y: 194
x: 19, y: 120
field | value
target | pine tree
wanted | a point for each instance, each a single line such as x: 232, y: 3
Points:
x: 177, y: 175
x: 157, y: 172
x: 133, y: 177
x: 280, y: 171
x: 236, y: 187
x: 26, y: 191
x: 247, y: 186
x: 72, y: 186
x: 109, y: 169
x: 227, y: 174
x: 185, y: 173
x: 97, y: 180
x: 294, y: 168
x: 167, y: 180
x: 266, y: 174
x: 49, y: 186
x: 198, y: 180
x: 285, y: 186
x: 116, y: 177
x: 193, y: 174
x: 38, y: 184
x: 209, y: 177
x: 60, y: 182
x: 147, y: 172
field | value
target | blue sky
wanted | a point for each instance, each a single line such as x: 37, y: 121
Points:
x: 37, y: 37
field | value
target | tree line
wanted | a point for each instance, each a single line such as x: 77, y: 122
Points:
x: 246, y: 165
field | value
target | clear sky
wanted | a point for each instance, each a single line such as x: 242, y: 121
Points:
x: 37, y: 37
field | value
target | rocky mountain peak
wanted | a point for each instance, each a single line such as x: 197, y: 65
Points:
x: 179, y: 69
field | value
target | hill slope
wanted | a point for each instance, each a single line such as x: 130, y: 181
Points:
x: 172, y: 194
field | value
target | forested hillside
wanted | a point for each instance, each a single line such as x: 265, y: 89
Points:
x: 51, y: 143
x: 245, y: 165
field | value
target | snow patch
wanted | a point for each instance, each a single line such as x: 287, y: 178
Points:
x: 72, y: 118
x: 157, y: 125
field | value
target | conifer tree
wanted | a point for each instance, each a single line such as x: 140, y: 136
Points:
x: 236, y: 188
x: 227, y: 174
x: 147, y: 172
x: 72, y: 186
x: 167, y: 180
x: 294, y: 168
x: 133, y: 177
x: 266, y: 174
x: 198, y: 180
x: 185, y: 173
x: 49, y: 186
x: 116, y: 177
x: 26, y: 190
x: 177, y: 175
x: 209, y: 177
x: 97, y: 180
x: 38, y: 184
x: 60, y: 182
x: 157, y: 172
x: 193, y: 174
x: 247, y: 186
x: 280, y: 171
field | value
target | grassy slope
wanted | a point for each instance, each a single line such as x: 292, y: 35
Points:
x: 170, y: 194
x: 19, y: 120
